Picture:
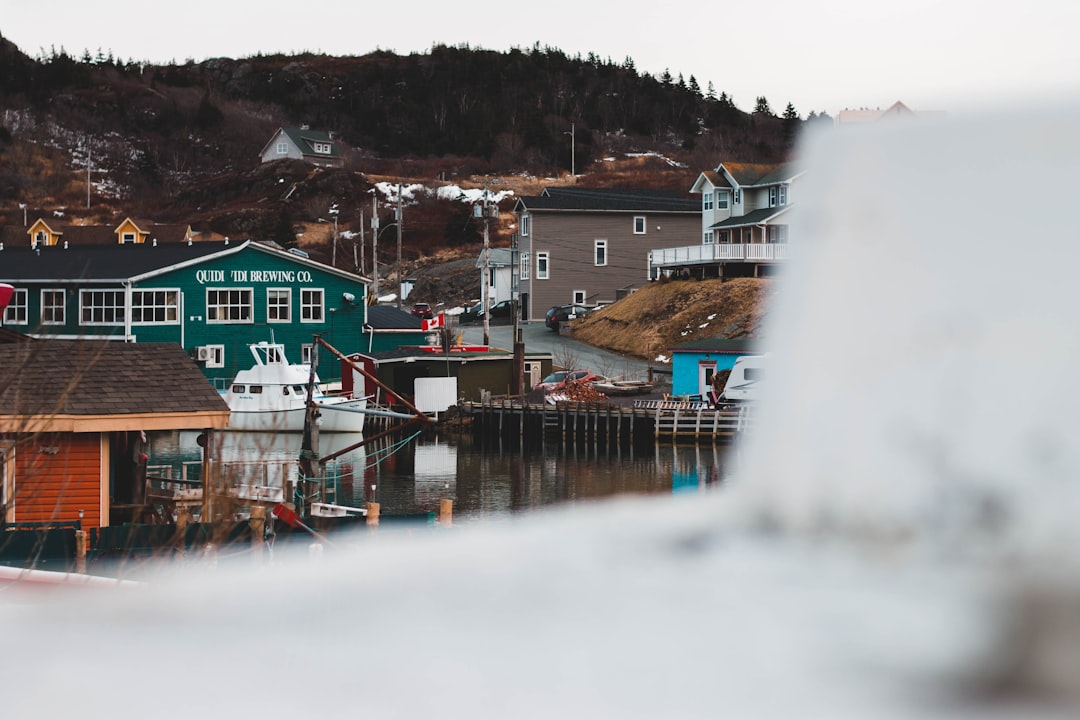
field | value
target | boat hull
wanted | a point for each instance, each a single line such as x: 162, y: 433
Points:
x: 347, y: 417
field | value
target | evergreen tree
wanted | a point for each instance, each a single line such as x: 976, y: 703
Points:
x: 761, y: 106
x: 694, y: 87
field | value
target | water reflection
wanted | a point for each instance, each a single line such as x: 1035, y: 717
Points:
x: 412, y: 477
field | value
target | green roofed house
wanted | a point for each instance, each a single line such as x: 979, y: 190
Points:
x: 213, y: 299
x: 744, y: 222
x: 317, y: 147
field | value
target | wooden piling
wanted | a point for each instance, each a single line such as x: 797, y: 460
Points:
x: 446, y: 512
x: 257, y: 523
x: 82, y: 543
x: 373, y: 514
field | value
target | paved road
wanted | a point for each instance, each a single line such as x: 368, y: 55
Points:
x: 564, y: 350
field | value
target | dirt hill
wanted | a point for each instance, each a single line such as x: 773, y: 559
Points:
x: 663, y: 314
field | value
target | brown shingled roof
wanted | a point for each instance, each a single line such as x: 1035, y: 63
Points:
x: 106, y: 383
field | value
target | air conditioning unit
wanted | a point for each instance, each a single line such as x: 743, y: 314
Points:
x: 203, y: 354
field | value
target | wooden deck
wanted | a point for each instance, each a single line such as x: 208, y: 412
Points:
x: 646, y: 422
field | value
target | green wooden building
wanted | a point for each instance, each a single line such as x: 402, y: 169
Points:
x: 213, y: 299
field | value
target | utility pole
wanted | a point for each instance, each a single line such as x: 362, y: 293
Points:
x: 517, y: 386
x: 88, y: 161
x: 486, y: 292
x: 359, y: 263
x: 375, y: 245
x: 400, y: 222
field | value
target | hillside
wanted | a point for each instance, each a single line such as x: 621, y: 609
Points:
x: 181, y: 142
x: 663, y: 314
x: 92, y: 139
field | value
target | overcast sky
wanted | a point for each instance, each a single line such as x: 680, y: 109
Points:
x: 823, y: 55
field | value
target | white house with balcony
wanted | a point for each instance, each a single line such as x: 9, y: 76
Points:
x: 744, y: 229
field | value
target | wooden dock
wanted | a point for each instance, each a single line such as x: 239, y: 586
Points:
x: 605, y: 425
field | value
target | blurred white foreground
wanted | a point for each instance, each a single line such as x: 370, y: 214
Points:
x: 901, y: 543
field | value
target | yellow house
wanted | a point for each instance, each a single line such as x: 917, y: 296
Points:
x: 128, y: 232
x: 41, y: 233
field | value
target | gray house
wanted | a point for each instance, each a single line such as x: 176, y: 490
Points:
x: 317, y: 147
x: 591, y: 246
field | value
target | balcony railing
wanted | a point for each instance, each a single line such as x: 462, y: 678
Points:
x: 721, y: 252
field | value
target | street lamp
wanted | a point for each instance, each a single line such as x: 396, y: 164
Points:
x: 573, y: 167
x: 333, y: 253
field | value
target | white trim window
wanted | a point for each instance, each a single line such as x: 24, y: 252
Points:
x: 282, y: 148
x: 707, y: 238
x: 525, y: 225
x: 706, y: 201
x: 543, y: 271
x: 524, y: 266
x: 579, y: 297
x: 306, y: 352
x: 322, y: 148
x: 278, y: 305
x: 721, y: 200
x: 777, y: 195
x: 723, y: 237
x: 16, y: 313
x: 155, y: 307
x: 229, y: 305
x: 126, y: 238
x: 600, y: 253
x: 777, y: 234
x: 639, y: 224
x: 101, y: 307
x: 217, y: 356
x: 53, y: 307
x: 311, y: 305
x: 737, y: 196
x: 492, y: 275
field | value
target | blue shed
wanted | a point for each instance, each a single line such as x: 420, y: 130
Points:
x: 694, y: 363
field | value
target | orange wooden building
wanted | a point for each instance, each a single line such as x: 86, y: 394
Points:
x: 73, y: 422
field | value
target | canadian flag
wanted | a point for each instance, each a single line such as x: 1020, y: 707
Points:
x: 436, y: 322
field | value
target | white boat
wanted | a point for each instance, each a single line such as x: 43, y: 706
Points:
x: 272, y: 397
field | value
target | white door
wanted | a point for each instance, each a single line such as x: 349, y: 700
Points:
x: 706, y: 370
x: 532, y: 375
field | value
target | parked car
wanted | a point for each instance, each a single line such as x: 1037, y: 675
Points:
x: 423, y: 311
x: 557, y: 381
x: 561, y: 313
x: 500, y: 311
x: 471, y: 314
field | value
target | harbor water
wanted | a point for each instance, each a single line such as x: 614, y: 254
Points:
x: 412, y: 475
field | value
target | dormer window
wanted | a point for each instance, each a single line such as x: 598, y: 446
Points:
x: 322, y: 148
x: 721, y: 200
x: 783, y: 194
x: 707, y: 201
